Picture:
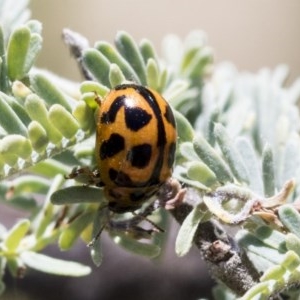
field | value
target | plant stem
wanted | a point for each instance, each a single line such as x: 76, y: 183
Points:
x: 226, y: 261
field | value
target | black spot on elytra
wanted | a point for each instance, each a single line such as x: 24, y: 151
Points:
x: 120, y: 178
x: 110, y: 116
x: 171, y: 156
x: 160, y: 129
x: 140, y: 155
x: 169, y: 116
x: 136, y: 118
x: 112, y: 146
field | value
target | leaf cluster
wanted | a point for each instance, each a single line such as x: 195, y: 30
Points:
x: 238, y: 152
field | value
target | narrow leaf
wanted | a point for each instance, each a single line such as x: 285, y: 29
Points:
x: 34, y: 48
x: 97, y: 64
x: 55, y: 266
x: 271, y: 237
x: 184, y: 128
x: 293, y: 243
x: 291, y: 261
x: 48, y: 91
x: 16, y: 233
x: 9, y: 120
x: 231, y: 154
x: 129, y: 50
x: 152, y: 74
x: 38, y: 136
x: 116, y: 75
x: 268, y: 171
x: 132, y: 245
x: 147, y: 50
x: 290, y: 218
x: 63, y: 121
x: 84, y: 115
x: 100, y: 220
x: 202, y: 173
x: 92, y: 86
x: 37, y: 110
x: 4, y: 82
x: 254, y: 245
x: 18, y: 46
x: 185, y: 237
x: 77, y: 194
x: 29, y: 184
x: 248, y: 156
x: 210, y: 157
x: 276, y: 272
x: 15, y: 145
x: 49, y: 168
x: 114, y: 57
x: 188, y: 152
x: 70, y: 235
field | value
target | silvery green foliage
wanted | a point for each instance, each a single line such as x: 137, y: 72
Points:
x: 238, y: 148
x: 260, y: 144
x: 36, y: 106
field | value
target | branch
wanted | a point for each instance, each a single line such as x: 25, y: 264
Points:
x: 226, y: 261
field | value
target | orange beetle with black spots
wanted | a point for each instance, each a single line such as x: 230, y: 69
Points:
x: 135, y: 145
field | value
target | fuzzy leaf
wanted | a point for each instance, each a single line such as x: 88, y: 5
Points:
x: 37, y: 110
x: 185, y: 237
x: 18, y: 46
x: 210, y: 157
x: 202, y: 173
x: 152, y: 74
x: 84, y: 115
x: 100, y: 220
x: 114, y: 57
x: 231, y: 154
x: 97, y: 64
x: 272, y: 238
x: 63, y: 121
x: 15, y: 235
x: 55, y: 266
x: 293, y: 243
x: 4, y: 82
x: 291, y: 261
x: 129, y: 50
x: 180, y: 174
x: 50, y: 168
x: 187, y: 151
x: 15, y: 145
x: 38, y: 136
x: 77, y: 194
x: 251, y: 163
x: 184, y: 128
x: 9, y: 120
x: 147, y: 50
x: 70, y: 235
x: 94, y: 87
x: 275, y: 272
x: 268, y: 171
x: 290, y: 218
x: 132, y: 245
x: 34, y: 48
x: 44, y: 88
x: 116, y: 75
x: 254, y: 245
x: 29, y: 184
